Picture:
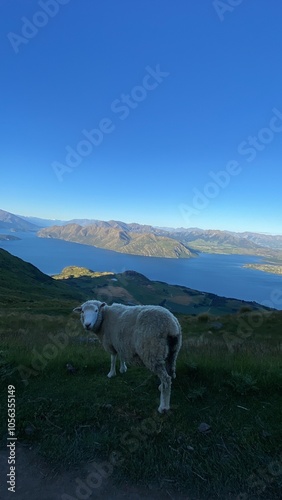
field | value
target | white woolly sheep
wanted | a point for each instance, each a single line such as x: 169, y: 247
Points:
x: 149, y: 335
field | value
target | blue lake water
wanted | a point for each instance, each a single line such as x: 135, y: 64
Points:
x: 219, y: 274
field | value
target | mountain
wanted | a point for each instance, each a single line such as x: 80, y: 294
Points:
x: 215, y: 241
x: 266, y: 240
x: 22, y: 285
x: 39, y: 223
x: 196, y: 239
x: 115, y: 237
x: 141, y: 239
x: 195, y: 234
x: 12, y: 222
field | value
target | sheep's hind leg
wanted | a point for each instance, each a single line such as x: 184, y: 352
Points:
x: 164, y: 387
x: 123, y: 367
x: 112, y: 372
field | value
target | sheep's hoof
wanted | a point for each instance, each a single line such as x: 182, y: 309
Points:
x: 110, y: 375
x: 123, y: 369
x: 162, y: 410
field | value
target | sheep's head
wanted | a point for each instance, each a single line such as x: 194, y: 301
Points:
x: 90, y: 313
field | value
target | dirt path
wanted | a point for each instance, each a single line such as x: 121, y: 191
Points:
x: 35, y: 481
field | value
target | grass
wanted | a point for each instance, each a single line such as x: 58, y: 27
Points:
x: 79, y: 417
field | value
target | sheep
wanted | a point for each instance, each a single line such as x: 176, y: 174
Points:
x: 147, y: 335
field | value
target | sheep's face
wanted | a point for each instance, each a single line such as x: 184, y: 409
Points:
x: 89, y: 312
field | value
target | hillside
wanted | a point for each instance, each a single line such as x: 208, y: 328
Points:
x: 23, y: 286
x: 222, y: 436
x: 12, y: 222
x: 265, y: 240
x: 225, y: 417
x: 131, y: 287
x: 112, y: 238
x: 215, y: 241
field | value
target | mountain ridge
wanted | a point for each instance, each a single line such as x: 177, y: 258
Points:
x: 120, y: 240
x: 121, y: 236
x: 12, y: 222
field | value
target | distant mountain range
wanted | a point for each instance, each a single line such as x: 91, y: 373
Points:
x: 11, y: 222
x: 141, y: 239
x: 119, y: 240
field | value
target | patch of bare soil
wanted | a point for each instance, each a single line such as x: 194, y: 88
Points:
x: 36, y: 481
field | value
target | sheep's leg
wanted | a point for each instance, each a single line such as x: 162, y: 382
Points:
x: 112, y: 372
x: 174, y: 346
x: 165, y: 396
x: 171, y: 367
x: 123, y: 367
x: 174, y: 358
x: 164, y: 387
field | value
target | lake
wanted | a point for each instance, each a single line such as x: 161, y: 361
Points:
x: 219, y: 274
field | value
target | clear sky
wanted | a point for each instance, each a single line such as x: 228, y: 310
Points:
x: 153, y: 111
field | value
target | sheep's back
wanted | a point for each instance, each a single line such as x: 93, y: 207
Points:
x: 139, y: 332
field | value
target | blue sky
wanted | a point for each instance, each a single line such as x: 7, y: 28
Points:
x: 183, y: 100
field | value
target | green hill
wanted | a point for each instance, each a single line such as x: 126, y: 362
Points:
x: 222, y: 436
x: 23, y: 286
x: 131, y: 287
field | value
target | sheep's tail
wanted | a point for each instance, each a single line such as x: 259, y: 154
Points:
x: 174, y: 344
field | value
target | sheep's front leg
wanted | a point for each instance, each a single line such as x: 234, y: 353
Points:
x: 112, y: 372
x: 123, y: 367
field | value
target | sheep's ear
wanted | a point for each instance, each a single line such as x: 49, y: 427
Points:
x: 103, y: 304
x: 77, y: 309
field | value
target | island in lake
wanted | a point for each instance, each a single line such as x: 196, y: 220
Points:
x: 6, y: 237
x: 267, y: 268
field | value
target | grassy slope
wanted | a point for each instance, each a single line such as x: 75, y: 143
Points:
x: 233, y: 387
x: 229, y: 375
x: 133, y: 287
x: 23, y: 286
